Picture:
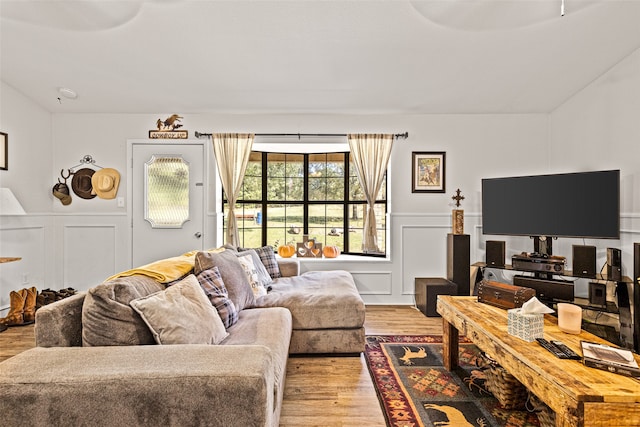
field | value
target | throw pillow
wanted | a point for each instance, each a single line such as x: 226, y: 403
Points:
x: 232, y: 273
x: 263, y: 275
x: 107, y: 317
x: 181, y: 314
x: 211, y: 282
x: 246, y: 261
x: 268, y: 258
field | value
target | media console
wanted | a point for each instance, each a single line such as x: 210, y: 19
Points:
x: 552, y: 291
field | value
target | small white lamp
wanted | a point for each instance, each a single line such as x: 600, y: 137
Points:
x: 9, y: 205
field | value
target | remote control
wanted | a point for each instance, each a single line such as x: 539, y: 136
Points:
x: 552, y: 348
x: 566, y: 350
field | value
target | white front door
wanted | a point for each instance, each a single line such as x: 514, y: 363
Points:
x: 167, y: 200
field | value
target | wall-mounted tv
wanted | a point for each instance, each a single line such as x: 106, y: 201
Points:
x: 584, y: 204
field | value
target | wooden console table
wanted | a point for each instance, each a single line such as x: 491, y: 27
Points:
x: 579, y: 395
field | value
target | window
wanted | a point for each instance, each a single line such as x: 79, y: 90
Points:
x: 285, y: 196
x: 166, y: 202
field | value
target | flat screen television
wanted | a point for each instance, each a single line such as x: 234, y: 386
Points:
x: 584, y: 204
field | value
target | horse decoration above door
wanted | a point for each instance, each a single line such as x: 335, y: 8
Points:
x: 168, y: 128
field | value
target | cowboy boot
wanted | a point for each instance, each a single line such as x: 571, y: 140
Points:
x: 15, y: 317
x: 29, y: 314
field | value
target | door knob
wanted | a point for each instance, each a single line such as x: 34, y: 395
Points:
x: 198, y: 234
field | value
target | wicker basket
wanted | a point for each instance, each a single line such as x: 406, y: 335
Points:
x: 510, y: 392
x: 546, y: 416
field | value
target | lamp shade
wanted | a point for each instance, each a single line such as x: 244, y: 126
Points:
x: 9, y: 205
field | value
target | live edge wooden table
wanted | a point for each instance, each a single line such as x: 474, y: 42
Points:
x: 579, y: 395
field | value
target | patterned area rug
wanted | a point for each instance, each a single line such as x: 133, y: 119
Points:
x: 415, y: 389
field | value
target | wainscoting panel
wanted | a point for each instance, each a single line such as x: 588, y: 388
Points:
x: 89, y: 255
x: 423, y: 253
x: 28, y: 243
x: 373, y: 282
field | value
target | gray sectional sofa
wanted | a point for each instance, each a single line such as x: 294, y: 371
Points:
x: 95, y: 362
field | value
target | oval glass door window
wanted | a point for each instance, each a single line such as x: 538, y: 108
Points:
x: 166, y: 187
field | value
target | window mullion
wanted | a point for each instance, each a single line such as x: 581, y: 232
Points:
x: 347, y: 192
x: 305, y: 195
x: 263, y: 203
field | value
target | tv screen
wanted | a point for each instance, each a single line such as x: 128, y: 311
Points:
x: 585, y: 204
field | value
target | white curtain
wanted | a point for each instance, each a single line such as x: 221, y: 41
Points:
x: 370, y: 155
x: 232, y: 152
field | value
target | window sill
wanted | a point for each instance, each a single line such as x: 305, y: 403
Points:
x: 343, y: 258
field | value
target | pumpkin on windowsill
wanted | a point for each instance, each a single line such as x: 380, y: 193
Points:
x: 331, y: 251
x: 286, y: 251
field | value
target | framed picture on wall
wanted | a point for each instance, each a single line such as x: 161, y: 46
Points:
x: 428, y: 172
x: 4, y: 148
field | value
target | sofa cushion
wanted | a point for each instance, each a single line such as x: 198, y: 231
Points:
x: 107, y: 317
x: 181, y: 314
x: 318, y: 300
x: 211, y: 282
x: 232, y: 274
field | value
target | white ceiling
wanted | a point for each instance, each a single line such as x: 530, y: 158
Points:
x: 434, y: 56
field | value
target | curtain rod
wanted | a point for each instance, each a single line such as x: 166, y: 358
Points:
x: 299, y: 135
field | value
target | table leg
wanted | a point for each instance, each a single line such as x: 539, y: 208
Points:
x: 449, y: 345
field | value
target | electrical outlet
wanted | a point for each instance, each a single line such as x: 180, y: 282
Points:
x: 121, y: 202
x: 25, y: 278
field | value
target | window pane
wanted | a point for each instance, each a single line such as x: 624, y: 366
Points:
x: 275, y: 165
x: 356, y: 226
x: 295, y: 189
x: 335, y: 165
x: 326, y: 224
x: 252, y: 188
x: 356, y: 220
x: 335, y: 189
x: 276, y: 190
x: 294, y: 165
x: 284, y: 223
x: 166, y: 191
x: 317, y: 165
x: 317, y: 189
x: 249, y: 220
x: 355, y: 191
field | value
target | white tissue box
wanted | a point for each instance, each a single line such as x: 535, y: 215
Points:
x: 525, y: 326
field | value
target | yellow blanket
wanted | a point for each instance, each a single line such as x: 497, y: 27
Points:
x: 165, y: 270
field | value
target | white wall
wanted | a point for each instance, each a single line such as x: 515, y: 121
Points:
x: 91, y: 238
x: 599, y: 128
x: 81, y: 244
x: 29, y: 132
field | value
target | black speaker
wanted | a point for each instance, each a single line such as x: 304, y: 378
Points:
x: 614, y: 264
x: 495, y: 253
x: 459, y: 262
x: 598, y: 294
x: 584, y: 261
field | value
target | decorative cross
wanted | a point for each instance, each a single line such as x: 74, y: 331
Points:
x: 458, y: 197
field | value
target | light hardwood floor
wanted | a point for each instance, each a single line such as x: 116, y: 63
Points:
x: 327, y: 391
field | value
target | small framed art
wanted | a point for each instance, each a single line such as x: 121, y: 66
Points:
x: 4, y: 148
x: 428, y: 172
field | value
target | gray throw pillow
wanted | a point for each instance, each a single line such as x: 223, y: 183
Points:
x: 232, y: 273
x: 107, y: 317
x: 181, y: 314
